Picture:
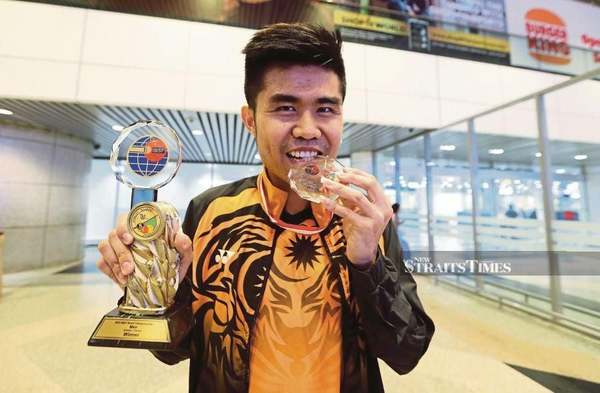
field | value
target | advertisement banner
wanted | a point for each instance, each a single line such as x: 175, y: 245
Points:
x: 554, y: 35
x: 371, y: 29
x: 471, y: 29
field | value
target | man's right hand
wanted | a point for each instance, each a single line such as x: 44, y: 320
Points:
x: 116, y: 260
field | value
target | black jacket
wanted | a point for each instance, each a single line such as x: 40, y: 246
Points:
x: 382, y: 316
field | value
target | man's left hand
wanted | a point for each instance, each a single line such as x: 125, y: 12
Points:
x: 364, y: 216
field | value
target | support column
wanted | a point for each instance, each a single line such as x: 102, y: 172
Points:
x: 397, y: 175
x: 546, y: 177
x: 474, y: 178
x: 429, y: 192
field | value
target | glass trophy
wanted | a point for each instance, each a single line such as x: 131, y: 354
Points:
x: 146, y: 156
x: 305, y: 179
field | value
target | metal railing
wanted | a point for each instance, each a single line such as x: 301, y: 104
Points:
x: 526, y: 306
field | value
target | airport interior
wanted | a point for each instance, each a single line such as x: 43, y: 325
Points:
x: 480, y: 119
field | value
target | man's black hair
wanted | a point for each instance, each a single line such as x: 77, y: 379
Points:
x: 288, y: 44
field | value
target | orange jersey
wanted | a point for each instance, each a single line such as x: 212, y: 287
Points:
x: 277, y: 307
x: 296, y: 343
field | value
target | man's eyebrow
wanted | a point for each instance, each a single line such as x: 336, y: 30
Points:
x: 329, y: 100
x: 275, y: 98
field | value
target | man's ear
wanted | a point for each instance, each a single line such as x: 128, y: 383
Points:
x: 248, y: 119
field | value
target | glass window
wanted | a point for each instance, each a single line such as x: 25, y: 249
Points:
x: 510, y: 211
x: 510, y: 199
x: 412, y: 183
x: 573, y: 119
x: 451, y: 190
x: 385, y: 169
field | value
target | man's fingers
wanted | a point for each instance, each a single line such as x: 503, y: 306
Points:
x: 354, y: 197
x: 365, y: 181
x: 109, y: 258
x: 124, y: 257
x: 122, y: 230
x: 109, y: 263
x: 108, y: 254
x: 106, y: 269
x: 343, y: 211
x: 117, y: 260
x: 183, y: 245
x: 372, y: 186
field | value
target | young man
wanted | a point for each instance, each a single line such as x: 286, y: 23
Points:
x: 287, y: 295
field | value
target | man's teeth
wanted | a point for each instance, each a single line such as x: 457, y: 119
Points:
x: 303, y: 154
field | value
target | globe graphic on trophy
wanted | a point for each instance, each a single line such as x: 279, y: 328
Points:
x: 147, y: 156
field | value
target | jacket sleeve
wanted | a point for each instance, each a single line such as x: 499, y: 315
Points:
x: 182, y: 307
x: 397, y: 329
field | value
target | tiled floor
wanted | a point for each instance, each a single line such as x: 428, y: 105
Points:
x: 46, y: 319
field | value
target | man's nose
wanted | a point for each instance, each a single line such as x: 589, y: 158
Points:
x: 306, y: 128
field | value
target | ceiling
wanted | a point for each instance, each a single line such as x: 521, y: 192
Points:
x: 223, y: 138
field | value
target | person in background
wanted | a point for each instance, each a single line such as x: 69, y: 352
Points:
x: 397, y: 222
x: 396, y: 217
x: 511, y: 212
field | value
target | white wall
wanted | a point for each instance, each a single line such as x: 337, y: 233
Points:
x: 43, y: 197
x: 108, y: 198
x: 101, y: 202
x: 89, y: 56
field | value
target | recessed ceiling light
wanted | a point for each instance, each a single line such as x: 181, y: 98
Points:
x: 197, y: 132
x: 496, y: 151
x: 5, y: 112
x: 580, y: 157
x: 447, y: 147
x: 538, y: 154
x: 117, y: 128
x: 560, y: 171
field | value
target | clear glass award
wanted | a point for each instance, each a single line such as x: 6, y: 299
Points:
x: 305, y: 179
x: 146, y: 156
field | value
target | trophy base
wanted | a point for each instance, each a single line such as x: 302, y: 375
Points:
x: 157, y: 332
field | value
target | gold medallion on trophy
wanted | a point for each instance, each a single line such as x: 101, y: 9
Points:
x: 152, y: 286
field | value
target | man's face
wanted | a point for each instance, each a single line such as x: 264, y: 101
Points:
x: 298, y: 116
